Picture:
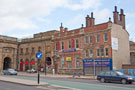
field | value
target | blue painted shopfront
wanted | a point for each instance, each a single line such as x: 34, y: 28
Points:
x: 97, y: 63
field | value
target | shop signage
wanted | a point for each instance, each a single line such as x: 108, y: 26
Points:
x: 69, y: 50
x: 97, y: 62
x: 68, y: 59
x: 32, y: 62
x: 26, y: 62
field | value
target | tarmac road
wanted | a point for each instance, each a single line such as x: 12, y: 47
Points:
x: 87, y: 81
x: 81, y: 84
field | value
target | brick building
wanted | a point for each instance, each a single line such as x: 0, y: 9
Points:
x: 94, y: 47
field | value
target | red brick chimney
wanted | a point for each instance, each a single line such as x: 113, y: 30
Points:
x: 122, y: 18
x: 115, y: 16
x: 87, y: 21
x: 92, y: 20
x: 61, y: 28
x: 66, y: 29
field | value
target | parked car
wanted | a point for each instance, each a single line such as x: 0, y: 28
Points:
x: 114, y: 76
x: 32, y: 71
x: 10, y: 72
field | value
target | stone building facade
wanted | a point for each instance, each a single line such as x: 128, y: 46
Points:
x: 8, y: 52
x: 41, y: 42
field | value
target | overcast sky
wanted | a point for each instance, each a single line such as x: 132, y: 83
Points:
x: 23, y: 18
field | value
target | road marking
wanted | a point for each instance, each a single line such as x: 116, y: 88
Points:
x: 66, y: 87
x: 56, y: 87
x: 95, y: 85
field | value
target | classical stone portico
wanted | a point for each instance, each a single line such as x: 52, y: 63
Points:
x: 8, y: 52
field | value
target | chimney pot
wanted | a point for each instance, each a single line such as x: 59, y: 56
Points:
x: 115, y: 8
x: 61, y: 24
x: 121, y: 11
x: 61, y: 28
x: 91, y: 14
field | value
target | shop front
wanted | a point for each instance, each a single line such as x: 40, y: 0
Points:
x: 93, y: 66
x: 32, y: 64
x: 26, y: 64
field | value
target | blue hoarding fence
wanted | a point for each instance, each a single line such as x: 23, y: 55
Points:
x: 128, y: 71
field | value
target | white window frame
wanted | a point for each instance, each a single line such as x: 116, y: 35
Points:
x: 62, y: 45
x: 106, y: 52
x: 98, y: 38
x: 98, y: 52
x: 91, y: 38
x: 86, y: 40
x: 69, y: 44
x: 77, y: 43
x: 86, y: 53
x: 91, y: 54
x: 102, y: 52
x: 105, y: 40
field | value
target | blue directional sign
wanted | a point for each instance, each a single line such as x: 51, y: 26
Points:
x: 39, y: 55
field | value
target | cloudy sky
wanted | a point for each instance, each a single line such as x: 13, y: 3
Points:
x: 23, y: 18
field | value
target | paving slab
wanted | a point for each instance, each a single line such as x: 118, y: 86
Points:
x: 22, y: 81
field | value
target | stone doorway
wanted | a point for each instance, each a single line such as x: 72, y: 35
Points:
x: 7, y: 63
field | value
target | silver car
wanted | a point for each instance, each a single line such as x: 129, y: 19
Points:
x: 9, y: 72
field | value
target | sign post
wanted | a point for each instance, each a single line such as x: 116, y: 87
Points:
x: 38, y: 56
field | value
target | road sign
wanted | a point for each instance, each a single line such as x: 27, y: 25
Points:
x: 39, y: 55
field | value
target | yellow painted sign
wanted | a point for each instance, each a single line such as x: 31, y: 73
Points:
x: 68, y: 59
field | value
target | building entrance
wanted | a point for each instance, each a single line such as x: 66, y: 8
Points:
x: 7, y: 63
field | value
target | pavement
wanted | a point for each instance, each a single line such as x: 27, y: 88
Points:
x: 21, y: 81
x: 57, y: 75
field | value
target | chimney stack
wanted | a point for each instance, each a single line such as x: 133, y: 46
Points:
x: 122, y: 18
x: 87, y: 21
x: 65, y: 29
x: 61, y: 28
x: 115, y: 16
x: 92, y: 20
